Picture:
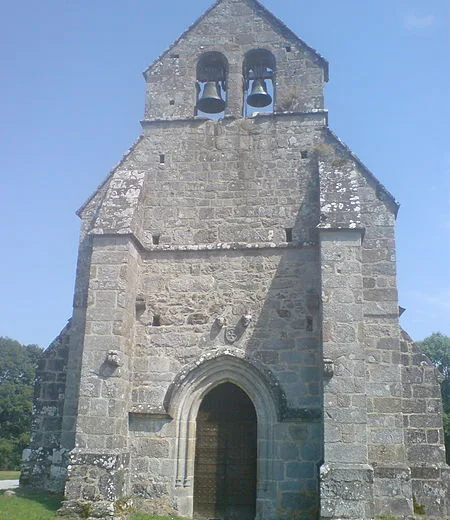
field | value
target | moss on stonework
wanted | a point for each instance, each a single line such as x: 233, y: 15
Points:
x: 123, y: 506
x: 324, y: 149
x: 419, y: 509
x: 85, y: 510
x: 421, y: 517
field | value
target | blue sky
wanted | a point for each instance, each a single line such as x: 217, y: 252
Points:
x: 72, y: 95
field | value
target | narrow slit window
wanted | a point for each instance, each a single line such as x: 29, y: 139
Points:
x: 304, y: 154
x: 288, y: 232
x: 156, y: 320
x: 162, y: 158
x: 156, y: 239
x: 309, y: 324
x: 140, y: 307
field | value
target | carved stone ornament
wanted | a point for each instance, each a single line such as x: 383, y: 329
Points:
x: 113, y: 358
x: 328, y: 368
x: 230, y: 334
x: 246, y: 320
x: 220, y: 321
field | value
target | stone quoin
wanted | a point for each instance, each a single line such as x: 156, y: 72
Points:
x: 235, y: 349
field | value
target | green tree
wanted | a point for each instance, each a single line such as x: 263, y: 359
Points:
x: 437, y: 348
x: 17, y: 372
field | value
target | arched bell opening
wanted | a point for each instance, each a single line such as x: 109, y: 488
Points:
x: 211, y: 85
x: 259, y: 82
x: 225, y: 468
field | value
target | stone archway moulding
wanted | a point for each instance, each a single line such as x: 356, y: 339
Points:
x: 185, y: 395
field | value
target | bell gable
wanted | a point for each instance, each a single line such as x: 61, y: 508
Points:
x: 294, y: 74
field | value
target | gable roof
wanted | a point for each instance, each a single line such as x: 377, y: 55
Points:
x: 105, y: 181
x: 262, y: 11
x: 382, y: 192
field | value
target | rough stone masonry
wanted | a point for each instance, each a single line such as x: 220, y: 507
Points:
x: 235, y: 350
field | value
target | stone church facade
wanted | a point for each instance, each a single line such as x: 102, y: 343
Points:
x: 235, y: 350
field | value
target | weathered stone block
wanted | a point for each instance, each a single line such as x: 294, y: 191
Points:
x: 426, y: 454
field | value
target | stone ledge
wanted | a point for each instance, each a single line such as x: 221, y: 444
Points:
x: 318, y: 114
x: 157, y: 412
x: 218, y: 246
x: 233, y: 246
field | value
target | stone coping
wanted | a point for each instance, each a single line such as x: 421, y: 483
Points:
x: 218, y: 246
x: 234, y: 246
x: 319, y: 114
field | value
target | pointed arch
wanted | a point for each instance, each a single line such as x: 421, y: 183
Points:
x: 183, y: 401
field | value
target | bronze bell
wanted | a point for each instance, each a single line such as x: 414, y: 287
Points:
x: 259, y: 97
x: 211, y: 101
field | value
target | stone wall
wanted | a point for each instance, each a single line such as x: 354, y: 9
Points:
x: 346, y: 476
x: 240, y: 181
x: 243, y: 181
x: 364, y: 433
x: 199, y: 297
x: 45, y: 461
x: 424, y: 435
x: 188, y: 291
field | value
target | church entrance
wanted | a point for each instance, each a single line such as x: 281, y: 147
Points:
x: 225, y: 458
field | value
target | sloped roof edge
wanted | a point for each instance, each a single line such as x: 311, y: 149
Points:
x: 382, y: 192
x: 110, y: 174
x: 58, y: 340
x: 271, y: 18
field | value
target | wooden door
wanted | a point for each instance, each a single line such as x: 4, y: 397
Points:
x: 225, y: 461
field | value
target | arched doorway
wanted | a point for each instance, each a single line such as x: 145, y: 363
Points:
x: 225, y: 455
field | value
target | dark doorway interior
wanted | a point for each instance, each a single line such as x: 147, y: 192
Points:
x: 225, y: 458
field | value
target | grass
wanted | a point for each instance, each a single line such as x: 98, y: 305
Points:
x: 26, y: 505
x: 145, y: 516
x: 9, y: 475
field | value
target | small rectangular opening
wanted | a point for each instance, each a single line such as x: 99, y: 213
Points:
x: 162, y: 158
x: 304, y: 154
x: 155, y: 239
x: 172, y: 102
x: 288, y: 232
x: 140, y: 307
x: 288, y: 48
x: 156, y: 321
x: 176, y: 56
x: 309, y: 324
